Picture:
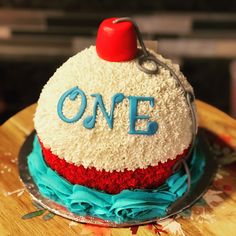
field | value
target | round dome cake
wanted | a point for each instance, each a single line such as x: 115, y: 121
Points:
x: 104, y: 149
x: 104, y: 124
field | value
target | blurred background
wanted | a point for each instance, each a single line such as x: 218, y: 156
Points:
x: 37, y: 36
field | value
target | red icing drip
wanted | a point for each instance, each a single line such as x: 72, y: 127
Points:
x: 111, y: 182
x: 116, y: 42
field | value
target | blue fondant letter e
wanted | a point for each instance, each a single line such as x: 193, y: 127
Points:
x: 72, y: 94
x: 152, y: 126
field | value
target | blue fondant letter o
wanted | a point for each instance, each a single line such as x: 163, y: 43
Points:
x: 72, y: 94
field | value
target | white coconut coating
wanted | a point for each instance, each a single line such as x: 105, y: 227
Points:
x: 114, y: 149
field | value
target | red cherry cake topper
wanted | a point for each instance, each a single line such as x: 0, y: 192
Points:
x: 116, y: 41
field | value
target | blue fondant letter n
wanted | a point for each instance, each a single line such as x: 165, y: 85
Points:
x: 89, y: 122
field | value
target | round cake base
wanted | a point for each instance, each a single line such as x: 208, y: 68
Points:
x: 183, y: 202
x: 111, y: 182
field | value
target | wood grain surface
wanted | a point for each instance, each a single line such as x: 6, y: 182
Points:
x: 15, y: 202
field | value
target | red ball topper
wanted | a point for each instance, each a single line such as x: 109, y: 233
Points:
x: 116, y: 41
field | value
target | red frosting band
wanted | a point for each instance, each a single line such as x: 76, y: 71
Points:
x: 111, y: 182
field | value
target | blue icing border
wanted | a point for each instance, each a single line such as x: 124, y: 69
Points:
x: 122, y: 207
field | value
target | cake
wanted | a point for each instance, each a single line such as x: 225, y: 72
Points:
x: 109, y: 133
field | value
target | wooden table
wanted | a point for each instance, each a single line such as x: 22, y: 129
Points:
x: 215, y: 214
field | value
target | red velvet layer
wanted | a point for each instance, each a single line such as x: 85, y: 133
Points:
x: 111, y: 182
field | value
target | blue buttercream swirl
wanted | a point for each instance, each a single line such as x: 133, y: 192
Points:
x: 125, y: 206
